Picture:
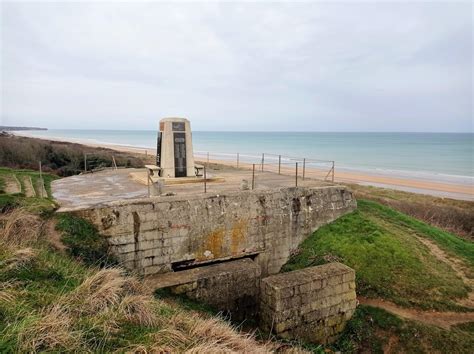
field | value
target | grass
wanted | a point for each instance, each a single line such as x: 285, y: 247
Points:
x: 51, y: 302
x: 9, y: 201
x: 83, y: 241
x: 451, y: 215
x: 372, y: 330
x: 390, y: 262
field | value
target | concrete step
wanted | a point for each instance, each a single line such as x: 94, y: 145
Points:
x: 40, y: 189
x: 29, y: 189
x: 12, y: 184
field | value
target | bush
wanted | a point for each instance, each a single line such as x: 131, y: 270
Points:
x: 61, y: 158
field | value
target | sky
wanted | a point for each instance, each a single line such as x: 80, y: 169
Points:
x: 248, y: 66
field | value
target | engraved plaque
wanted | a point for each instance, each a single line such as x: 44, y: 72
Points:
x: 178, y: 126
x: 180, y: 154
x: 158, y: 150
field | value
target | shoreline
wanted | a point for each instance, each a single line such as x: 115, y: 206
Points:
x: 413, y: 185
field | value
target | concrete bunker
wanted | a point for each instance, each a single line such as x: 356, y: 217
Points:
x: 155, y: 235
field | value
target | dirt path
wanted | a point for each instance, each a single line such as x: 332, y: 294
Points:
x: 53, y: 236
x: 456, y: 264
x: 12, y: 185
x: 435, y: 318
x: 29, y: 190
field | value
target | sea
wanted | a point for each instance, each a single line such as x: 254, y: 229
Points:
x: 444, y: 157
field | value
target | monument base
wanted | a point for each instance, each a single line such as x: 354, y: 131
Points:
x: 141, y: 177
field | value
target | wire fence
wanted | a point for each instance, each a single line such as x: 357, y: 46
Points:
x: 301, y: 167
x: 265, y: 167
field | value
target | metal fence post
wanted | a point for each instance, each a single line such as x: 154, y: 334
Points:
x: 253, y: 176
x: 279, y: 164
x: 85, y: 162
x: 296, y: 175
x: 304, y: 167
x: 205, y: 180
x: 332, y: 172
x: 237, y: 160
x: 263, y: 160
x: 208, y: 157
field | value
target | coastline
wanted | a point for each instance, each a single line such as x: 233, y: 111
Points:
x: 462, y: 191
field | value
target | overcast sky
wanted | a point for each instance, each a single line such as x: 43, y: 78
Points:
x: 354, y: 66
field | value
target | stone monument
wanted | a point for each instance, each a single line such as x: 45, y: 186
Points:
x: 174, y: 153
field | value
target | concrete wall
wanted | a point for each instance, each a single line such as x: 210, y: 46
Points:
x: 152, y: 234
x: 313, y: 304
x: 232, y: 287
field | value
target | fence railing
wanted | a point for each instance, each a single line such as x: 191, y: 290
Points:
x: 303, y: 167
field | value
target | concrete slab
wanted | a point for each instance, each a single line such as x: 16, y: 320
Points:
x: 112, y: 185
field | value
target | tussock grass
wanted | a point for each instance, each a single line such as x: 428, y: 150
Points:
x: 20, y: 228
x: 21, y: 258
x: 52, y: 328
x: 50, y: 302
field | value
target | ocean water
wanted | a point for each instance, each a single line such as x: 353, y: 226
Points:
x: 444, y: 157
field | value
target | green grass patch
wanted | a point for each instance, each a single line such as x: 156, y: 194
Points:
x: 84, y: 241
x: 33, y: 204
x: 449, y: 242
x: 371, y: 329
x: 390, y: 262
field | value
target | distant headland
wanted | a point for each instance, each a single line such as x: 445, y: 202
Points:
x: 6, y: 128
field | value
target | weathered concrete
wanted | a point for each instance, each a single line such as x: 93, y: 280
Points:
x: 168, y: 155
x: 232, y: 287
x: 154, y: 235
x: 312, y: 304
x: 81, y: 191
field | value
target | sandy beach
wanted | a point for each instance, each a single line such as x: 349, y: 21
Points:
x: 434, y: 188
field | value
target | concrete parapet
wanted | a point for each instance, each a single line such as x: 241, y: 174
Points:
x: 312, y: 304
x: 152, y: 235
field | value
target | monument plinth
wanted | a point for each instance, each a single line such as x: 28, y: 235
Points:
x: 174, y: 153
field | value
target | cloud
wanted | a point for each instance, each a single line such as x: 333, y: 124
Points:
x: 245, y: 66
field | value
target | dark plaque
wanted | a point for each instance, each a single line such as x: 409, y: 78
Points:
x: 158, y: 150
x: 178, y: 126
x: 179, y: 154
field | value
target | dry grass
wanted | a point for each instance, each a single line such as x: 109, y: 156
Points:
x: 20, y: 258
x: 52, y: 329
x: 20, y: 228
x: 95, y: 314
x: 102, y: 290
x: 138, y: 309
x: 7, y: 297
x: 193, y: 334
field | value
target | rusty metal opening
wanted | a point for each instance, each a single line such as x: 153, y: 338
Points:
x: 190, y: 264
